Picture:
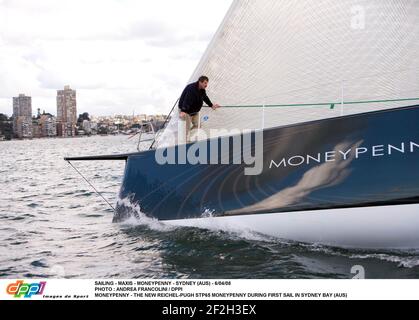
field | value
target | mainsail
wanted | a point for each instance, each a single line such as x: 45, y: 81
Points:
x: 279, y: 62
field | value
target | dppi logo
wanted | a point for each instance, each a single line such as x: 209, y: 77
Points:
x: 27, y: 290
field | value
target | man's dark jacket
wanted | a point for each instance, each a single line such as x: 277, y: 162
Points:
x: 193, y: 98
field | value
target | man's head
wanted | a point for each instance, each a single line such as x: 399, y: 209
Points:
x: 203, y: 82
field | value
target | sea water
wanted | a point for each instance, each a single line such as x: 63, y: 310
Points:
x: 53, y: 225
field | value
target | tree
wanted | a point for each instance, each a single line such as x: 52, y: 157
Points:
x: 3, y: 117
x: 82, y: 117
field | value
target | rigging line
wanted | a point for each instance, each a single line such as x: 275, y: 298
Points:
x: 321, y: 104
x: 98, y: 193
x: 165, y: 122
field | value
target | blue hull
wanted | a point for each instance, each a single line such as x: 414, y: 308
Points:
x: 370, y: 159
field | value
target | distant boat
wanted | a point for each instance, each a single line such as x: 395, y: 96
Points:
x: 331, y: 89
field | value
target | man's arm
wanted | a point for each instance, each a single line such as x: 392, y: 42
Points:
x: 209, y: 103
x: 207, y: 100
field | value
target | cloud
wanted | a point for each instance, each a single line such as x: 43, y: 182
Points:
x: 117, y: 54
x: 161, y: 34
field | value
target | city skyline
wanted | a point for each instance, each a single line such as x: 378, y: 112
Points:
x: 54, y: 110
x: 68, y: 122
x: 130, y: 55
x: 23, y: 124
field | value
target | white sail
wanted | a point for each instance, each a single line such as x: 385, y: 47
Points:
x: 325, y: 58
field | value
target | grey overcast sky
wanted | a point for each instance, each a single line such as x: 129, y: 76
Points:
x: 120, y: 55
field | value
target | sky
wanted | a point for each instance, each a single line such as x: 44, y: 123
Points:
x: 122, y: 56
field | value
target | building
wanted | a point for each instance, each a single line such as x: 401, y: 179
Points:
x: 48, y: 125
x: 24, y: 127
x: 36, y: 128
x: 22, y: 116
x: 87, y: 127
x: 66, y: 112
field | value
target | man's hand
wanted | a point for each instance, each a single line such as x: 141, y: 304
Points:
x: 216, y: 106
x: 182, y: 115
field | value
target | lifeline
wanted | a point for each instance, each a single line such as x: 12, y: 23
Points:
x: 353, y: 153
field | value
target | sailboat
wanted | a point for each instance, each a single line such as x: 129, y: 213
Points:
x: 318, y: 137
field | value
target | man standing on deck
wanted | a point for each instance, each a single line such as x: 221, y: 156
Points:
x: 190, y: 104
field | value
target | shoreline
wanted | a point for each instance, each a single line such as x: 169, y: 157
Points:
x: 60, y: 138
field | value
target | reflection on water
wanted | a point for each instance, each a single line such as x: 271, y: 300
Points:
x: 53, y: 225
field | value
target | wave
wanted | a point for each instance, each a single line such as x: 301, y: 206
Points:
x: 129, y: 214
x: 403, y: 258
